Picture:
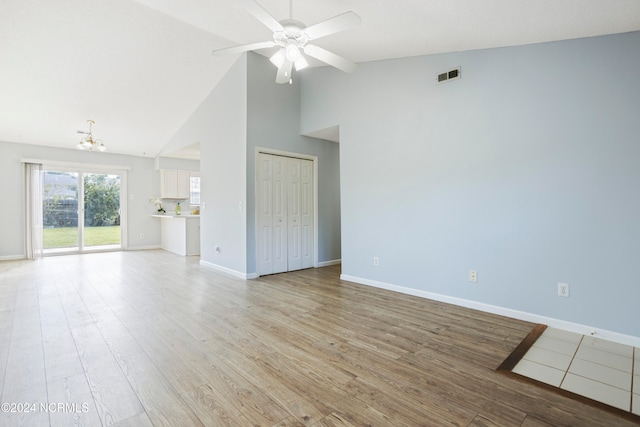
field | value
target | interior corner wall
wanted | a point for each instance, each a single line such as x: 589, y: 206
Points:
x: 273, y: 121
x: 219, y: 124
x: 526, y: 169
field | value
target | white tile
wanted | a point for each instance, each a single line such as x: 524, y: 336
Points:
x: 608, y: 346
x: 601, y: 373
x: 562, y: 335
x: 548, y: 358
x: 592, y: 367
x: 603, y: 358
x: 597, y: 391
x: 539, y: 372
x: 556, y: 345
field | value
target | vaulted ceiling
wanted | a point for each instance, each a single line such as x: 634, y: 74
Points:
x: 140, y: 68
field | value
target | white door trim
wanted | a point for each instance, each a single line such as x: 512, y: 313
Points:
x: 314, y: 159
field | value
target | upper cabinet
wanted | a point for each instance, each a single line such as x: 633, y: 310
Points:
x: 174, y: 184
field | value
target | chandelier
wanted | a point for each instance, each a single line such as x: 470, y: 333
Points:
x: 88, y: 142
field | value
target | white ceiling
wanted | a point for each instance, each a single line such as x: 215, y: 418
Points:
x: 140, y: 68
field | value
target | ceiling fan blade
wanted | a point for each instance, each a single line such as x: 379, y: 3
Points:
x: 284, y: 72
x: 330, y: 58
x: 262, y: 15
x: 333, y: 25
x: 243, y: 48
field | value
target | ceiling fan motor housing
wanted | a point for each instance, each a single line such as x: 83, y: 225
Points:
x: 292, y: 32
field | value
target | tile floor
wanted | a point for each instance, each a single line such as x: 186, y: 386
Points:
x: 600, y: 370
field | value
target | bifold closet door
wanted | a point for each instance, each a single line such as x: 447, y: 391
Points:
x: 285, y: 214
x: 272, y: 214
x: 300, y: 214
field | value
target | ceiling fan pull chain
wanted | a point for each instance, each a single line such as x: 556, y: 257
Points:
x: 290, y: 9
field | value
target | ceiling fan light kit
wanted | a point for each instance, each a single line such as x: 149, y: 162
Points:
x: 278, y: 58
x: 292, y: 39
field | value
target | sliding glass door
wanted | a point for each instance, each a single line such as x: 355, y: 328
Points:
x: 101, y: 217
x: 60, y: 211
x: 81, y: 211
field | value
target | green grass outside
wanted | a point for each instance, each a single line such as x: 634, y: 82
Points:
x: 67, y: 237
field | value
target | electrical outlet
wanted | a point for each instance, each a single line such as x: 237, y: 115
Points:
x: 473, y: 276
x: 563, y: 290
x: 142, y: 235
x: 376, y: 261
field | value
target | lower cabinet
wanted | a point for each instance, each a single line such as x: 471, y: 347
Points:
x: 180, y: 234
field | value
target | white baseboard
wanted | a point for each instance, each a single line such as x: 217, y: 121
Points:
x: 328, y: 263
x: 229, y: 271
x: 143, y: 248
x: 12, y: 257
x: 503, y: 311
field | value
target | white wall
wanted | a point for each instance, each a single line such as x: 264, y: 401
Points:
x: 219, y: 124
x: 142, y: 183
x: 178, y: 164
x: 526, y: 169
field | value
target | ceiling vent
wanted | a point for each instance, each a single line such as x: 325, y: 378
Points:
x: 449, y: 75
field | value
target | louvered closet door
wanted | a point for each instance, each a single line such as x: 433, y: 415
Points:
x: 285, y: 214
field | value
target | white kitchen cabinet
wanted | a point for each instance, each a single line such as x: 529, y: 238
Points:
x: 180, y: 234
x: 174, y: 184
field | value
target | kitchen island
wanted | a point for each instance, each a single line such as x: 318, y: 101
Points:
x: 180, y: 234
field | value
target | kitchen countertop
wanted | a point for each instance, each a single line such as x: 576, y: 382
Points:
x: 175, y: 216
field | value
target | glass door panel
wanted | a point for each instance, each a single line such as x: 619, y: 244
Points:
x: 60, y: 211
x: 81, y: 211
x: 101, y: 211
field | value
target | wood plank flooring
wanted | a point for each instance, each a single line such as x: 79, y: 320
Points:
x: 153, y: 339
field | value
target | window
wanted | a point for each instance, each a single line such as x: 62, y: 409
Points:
x: 194, y: 190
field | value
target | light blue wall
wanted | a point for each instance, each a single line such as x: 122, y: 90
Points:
x: 143, y: 182
x: 247, y: 109
x: 273, y: 121
x: 527, y: 169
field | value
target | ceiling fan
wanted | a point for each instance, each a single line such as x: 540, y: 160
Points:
x: 292, y: 38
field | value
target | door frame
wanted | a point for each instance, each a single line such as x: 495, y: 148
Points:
x: 82, y: 168
x: 314, y: 160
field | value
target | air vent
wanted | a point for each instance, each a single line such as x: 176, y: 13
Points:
x: 449, y: 75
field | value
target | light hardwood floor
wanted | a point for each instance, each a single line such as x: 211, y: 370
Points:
x: 151, y: 338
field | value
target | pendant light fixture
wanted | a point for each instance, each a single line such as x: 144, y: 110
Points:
x: 88, y: 142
